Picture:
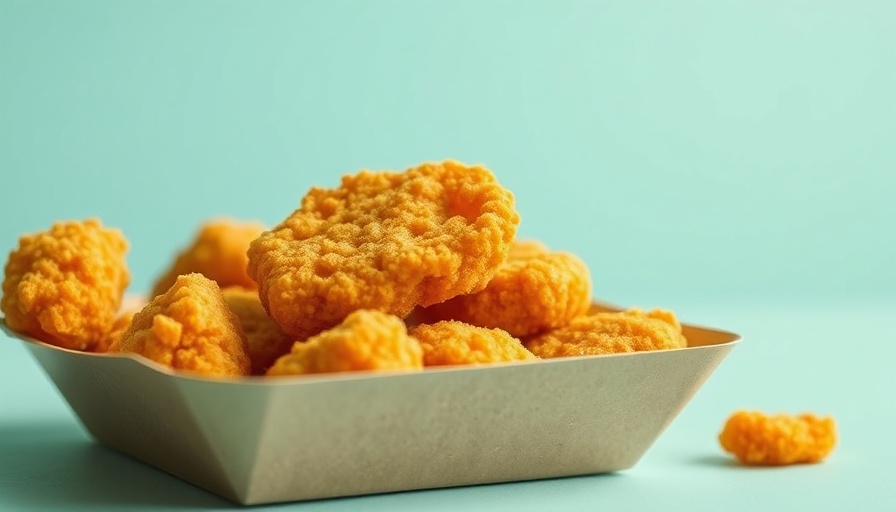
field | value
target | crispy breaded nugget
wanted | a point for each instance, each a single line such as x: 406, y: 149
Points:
x: 265, y: 341
x: 64, y: 285
x: 774, y: 440
x: 610, y: 333
x: 190, y: 328
x: 366, y: 340
x: 113, y: 337
x: 451, y: 342
x: 384, y: 240
x: 218, y: 251
x: 533, y: 291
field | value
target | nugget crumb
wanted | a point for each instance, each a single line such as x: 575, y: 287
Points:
x: 756, y: 438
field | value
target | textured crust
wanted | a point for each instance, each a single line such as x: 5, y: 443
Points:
x: 366, y: 340
x: 451, y: 342
x: 611, y: 333
x: 534, y: 290
x: 218, y: 251
x: 189, y: 328
x: 774, y: 440
x: 384, y: 240
x: 64, y: 286
x: 264, y: 338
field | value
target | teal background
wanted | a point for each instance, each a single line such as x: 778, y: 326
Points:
x: 689, y: 149
x: 732, y: 160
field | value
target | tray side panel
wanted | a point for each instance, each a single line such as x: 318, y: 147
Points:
x: 499, y: 424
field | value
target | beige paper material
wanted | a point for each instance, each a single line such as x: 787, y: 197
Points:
x: 261, y: 440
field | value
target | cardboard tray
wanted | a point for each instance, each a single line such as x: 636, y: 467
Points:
x: 262, y: 440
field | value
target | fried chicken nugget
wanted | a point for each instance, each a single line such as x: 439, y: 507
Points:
x: 384, y: 240
x: 534, y: 290
x: 611, y: 333
x: 218, y: 251
x: 451, y: 342
x: 190, y: 328
x: 265, y: 341
x: 64, y: 285
x: 775, y: 440
x: 366, y: 340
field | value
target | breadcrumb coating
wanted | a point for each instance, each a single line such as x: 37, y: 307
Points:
x: 384, y: 240
x: 611, y: 333
x: 534, y: 290
x: 366, y: 340
x: 451, y: 342
x: 189, y: 328
x: 64, y: 285
x: 218, y: 251
x: 265, y: 341
x: 756, y: 438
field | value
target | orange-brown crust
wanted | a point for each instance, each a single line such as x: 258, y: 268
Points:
x: 534, y: 290
x: 189, y: 328
x: 218, y: 251
x: 384, y: 240
x: 611, y: 333
x: 265, y: 341
x: 366, y: 340
x: 775, y: 440
x: 451, y: 343
x: 64, y: 286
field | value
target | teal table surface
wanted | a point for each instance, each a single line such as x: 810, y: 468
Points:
x: 831, y: 359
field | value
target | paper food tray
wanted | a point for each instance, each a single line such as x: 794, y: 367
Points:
x: 261, y: 440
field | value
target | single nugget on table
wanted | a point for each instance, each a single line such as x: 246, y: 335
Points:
x: 756, y: 438
x: 388, y: 241
x: 64, y: 285
x: 535, y: 290
x: 611, y: 333
x: 451, y: 342
x: 366, y: 340
x: 265, y: 341
x: 218, y: 251
x: 189, y: 328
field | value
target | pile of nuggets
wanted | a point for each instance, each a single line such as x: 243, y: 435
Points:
x: 387, y: 271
